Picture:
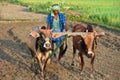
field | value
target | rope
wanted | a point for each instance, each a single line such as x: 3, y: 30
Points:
x: 54, y: 52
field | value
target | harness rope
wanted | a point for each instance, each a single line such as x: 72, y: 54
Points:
x: 66, y: 36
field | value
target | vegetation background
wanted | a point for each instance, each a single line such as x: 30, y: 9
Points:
x: 102, y: 12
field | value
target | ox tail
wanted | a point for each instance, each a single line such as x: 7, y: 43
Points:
x: 64, y: 50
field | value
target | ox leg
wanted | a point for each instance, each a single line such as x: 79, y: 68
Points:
x: 41, y: 66
x: 74, y: 52
x: 53, y: 47
x: 34, y: 64
x: 36, y: 61
x: 44, y: 65
x: 42, y: 72
x: 91, y: 64
x: 32, y: 53
x: 33, y: 67
x: 62, y: 52
x: 81, y: 61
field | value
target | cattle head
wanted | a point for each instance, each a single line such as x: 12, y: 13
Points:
x: 43, y: 38
x: 90, y: 41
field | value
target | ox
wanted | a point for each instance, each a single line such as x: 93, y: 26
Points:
x: 39, y: 44
x: 85, y: 44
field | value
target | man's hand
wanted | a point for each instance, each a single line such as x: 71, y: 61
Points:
x: 66, y: 27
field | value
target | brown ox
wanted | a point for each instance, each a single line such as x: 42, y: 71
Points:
x: 85, y: 44
x: 39, y: 43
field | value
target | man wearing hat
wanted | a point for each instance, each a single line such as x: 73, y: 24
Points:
x: 57, y: 21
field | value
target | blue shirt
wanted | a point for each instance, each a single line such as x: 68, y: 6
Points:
x: 56, y: 24
x: 62, y: 21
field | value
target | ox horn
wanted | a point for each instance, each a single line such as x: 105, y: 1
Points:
x: 86, y: 30
x: 42, y: 28
x: 100, y: 34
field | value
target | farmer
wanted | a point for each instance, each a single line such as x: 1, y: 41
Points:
x: 56, y: 21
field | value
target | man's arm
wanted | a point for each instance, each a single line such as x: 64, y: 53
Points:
x: 65, y: 27
x: 48, y: 26
x: 65, y: 23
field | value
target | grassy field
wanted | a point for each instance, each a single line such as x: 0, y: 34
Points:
x: 104, y: 12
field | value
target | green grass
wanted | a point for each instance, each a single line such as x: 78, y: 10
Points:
x: 105, y: 12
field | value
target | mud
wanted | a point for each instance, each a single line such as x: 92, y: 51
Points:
x: 15, y: 58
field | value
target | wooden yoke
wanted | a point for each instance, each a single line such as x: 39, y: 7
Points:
x: 59, y: 34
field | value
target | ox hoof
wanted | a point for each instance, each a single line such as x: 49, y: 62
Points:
x: 89, y: 55
x: 37, y: 72
x: 72, y: 64
x: 92, y: 76
x: 42, y: 78
x: 81, y: 73
x: 58, y: 63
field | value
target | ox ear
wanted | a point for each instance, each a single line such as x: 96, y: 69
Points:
x: 100, y: 34
x: 34, y: 34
